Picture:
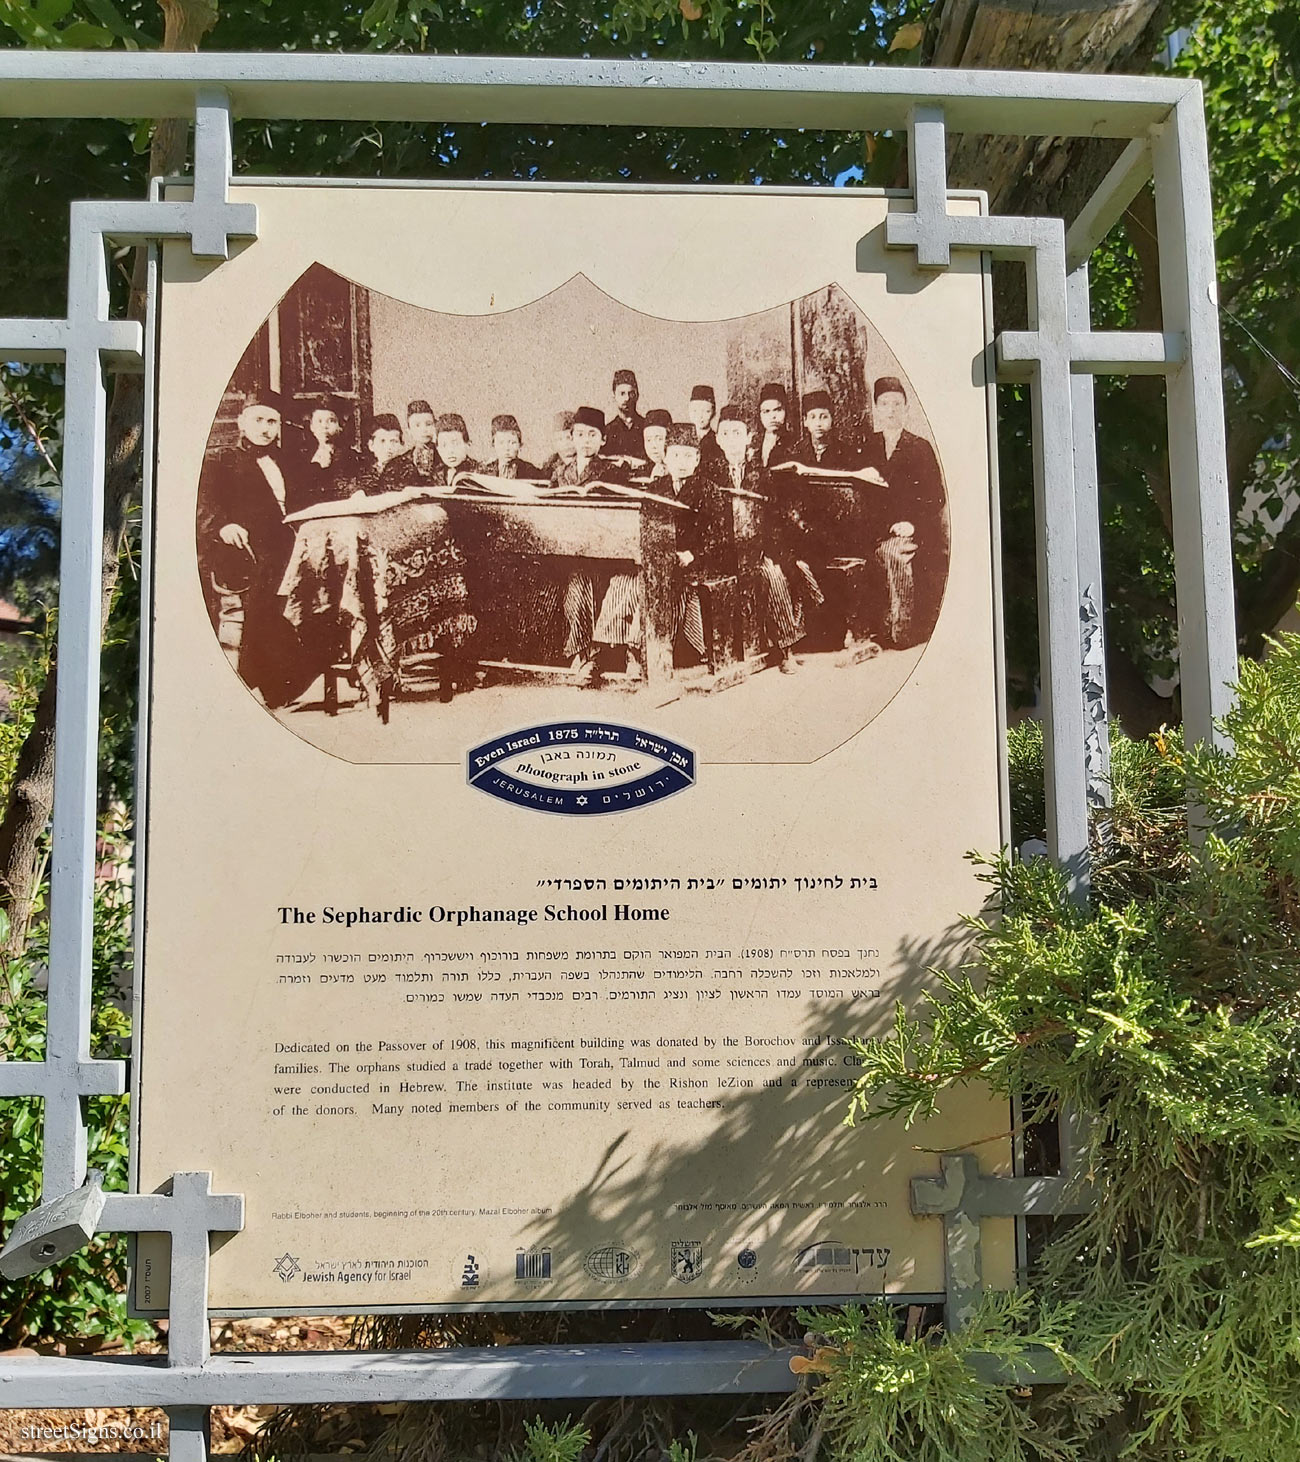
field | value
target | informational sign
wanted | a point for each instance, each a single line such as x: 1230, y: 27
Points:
x: 573, y: 697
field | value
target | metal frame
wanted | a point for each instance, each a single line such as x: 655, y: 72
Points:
x: 1058, y: 354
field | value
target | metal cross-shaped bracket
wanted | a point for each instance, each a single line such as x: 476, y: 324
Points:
x: 962, y: 1196
x: 89, y: 342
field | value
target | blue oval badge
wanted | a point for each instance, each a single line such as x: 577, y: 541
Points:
x: 581, y: 767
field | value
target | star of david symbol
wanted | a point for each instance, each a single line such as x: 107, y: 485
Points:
x: 286, y: 1266
x: 581, y: 801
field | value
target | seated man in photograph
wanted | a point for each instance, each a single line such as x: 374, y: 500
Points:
x: 911, y: 526
x: 326, y: 469
x: 507, y: 442
x: 761, y: 578
x: 776, y: 443
x: 623, y: 429
x: 244, y: 547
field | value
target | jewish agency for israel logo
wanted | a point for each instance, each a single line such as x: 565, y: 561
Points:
x: 612, y: 1263
x: 578, y: 768
x: 286, y: 1266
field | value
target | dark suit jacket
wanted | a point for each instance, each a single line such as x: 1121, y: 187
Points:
x: 783, y: 449
x: 915, y: 491
x: 623, y: 439
x: 833, y: 516
x: 518, y: 468
x: 307, y: 483
x: 598, y: 469
x: 416, y: 464
x: 233, y: 489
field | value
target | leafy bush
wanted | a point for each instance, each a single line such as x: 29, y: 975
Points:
x: 1165, y: 1014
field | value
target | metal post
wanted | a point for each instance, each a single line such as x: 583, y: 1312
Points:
x: 77, y: 711
x: 1087, y: 512
x: 1198, y: 467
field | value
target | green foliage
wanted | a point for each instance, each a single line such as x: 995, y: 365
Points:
x: 1165, y: 1014
x: 561, y: 1441
x: 687, y: 1451
x: 84, y: 1295
x: 888, y: 1397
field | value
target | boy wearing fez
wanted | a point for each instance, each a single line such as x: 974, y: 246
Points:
x: 836, y: 519
x: 654, y: 439
x: 384, y: 445
x: 453, y: 449
x: 244, y: 547
x: 623, y: 429
x: 911, y: 525
x: 585, y: 631
x: 563, y: 444
x: 507, y: 440
x: 776, y: 441
x: 326, y: 469
x: 420, y: 461
x: 703, y: 406
x: 763, y: 583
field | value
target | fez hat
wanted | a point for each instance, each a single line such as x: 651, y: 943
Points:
x: 453, y: 421
x: 885, y: 385
x: 270, y: 398
x: 324, y: 401
x: 589, y: 416
x: 506, y: 422
x: 773, y: 392
x: 625, y: 377
x: 659, y: 417
x: 703, y: 393
x: 817, y: 400
x: 682, y: 434
x: 730, y: 413
x: 564, y: 421
x: 384, y: 421
x: 418, y: 408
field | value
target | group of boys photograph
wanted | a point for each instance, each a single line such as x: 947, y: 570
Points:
x: 699, y: 534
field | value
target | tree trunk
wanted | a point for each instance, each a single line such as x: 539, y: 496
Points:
x: 31, y: 797
x: 1040, y: 175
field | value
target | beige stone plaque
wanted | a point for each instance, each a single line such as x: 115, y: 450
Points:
x: 539, y: 803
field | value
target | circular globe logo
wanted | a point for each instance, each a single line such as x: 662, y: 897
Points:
x: 747, y: 1258
x: 611, y: 1263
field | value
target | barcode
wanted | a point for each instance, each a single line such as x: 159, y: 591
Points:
x: 533, y: 1264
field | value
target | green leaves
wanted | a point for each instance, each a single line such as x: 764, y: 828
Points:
x: 1166, y: 1017
x: 65, y: 25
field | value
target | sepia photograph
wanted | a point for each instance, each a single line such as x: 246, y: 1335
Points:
x: 412, y: 524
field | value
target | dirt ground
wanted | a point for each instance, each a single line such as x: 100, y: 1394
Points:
x: 144, y: 1429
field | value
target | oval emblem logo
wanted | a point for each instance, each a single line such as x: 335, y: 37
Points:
x: 578, y: 768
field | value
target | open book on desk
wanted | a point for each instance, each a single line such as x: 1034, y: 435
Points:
x: 832, y: 474
x: 477, y: 487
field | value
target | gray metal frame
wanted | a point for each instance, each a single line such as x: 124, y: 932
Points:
x: 1058, y: 354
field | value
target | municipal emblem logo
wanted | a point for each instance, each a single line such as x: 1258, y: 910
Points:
x: 684, y: 1259
x: 470, y: 1273
x: 746, y: 1259
x: 612, y: 1263
x: 286, y: 1266
x: 532, y: 1265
